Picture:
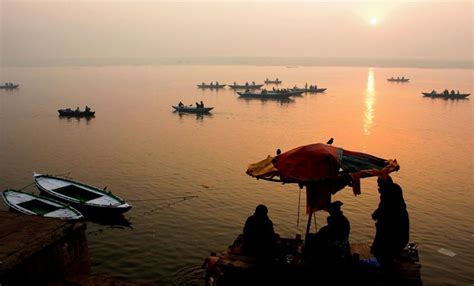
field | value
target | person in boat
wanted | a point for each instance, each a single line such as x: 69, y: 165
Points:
x: 259, y: 239
x: 246, y: 83
x: 180, y: 104
x: 306, y: 86
x: 202, y: 104
x: 253, y: 83
x: 457, y: 92
x: 392, y: 223
x: 77, y: 110
x: 197, y: 104
x: 87, y: 108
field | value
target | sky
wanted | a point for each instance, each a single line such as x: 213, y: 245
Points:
x: 49, y: 30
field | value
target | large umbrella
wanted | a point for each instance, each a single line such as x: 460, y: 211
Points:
x: 323, y: 169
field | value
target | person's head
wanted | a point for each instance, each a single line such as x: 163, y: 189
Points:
x: 335, y: 207
x: 261, y: 211
x: 384, y: 181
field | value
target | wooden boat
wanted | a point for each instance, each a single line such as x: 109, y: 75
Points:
x: 269, y: 81
x: 192, y: 109
x: 398, y: 79
x: 268, y: 94
x: 85, y: 197
x: 290, y: 265
x: 310, y: 90
x: 211, y: 86
x: 9, y: 85
x: 40, y: 206
x: 446, y: 95
x: 74, y: 113
x: 245, y: 86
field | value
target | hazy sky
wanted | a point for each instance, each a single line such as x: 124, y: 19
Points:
x: 113, y: 29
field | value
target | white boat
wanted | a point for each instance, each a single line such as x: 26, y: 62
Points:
x: 85, y: 197
x: 192, y: 109
x: 40, y: 206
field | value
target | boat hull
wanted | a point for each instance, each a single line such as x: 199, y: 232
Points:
x: 211, y: 86
x: 39, y: 206
x: 193, y: 109
x: 265, y: 95
x: 73, y: 113
x: 256, y: 86
x: 88, y: 199
x: 447, y: 96
x: 9, y: 86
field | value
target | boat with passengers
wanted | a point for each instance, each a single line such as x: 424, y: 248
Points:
x: 9, y: 85
x: 446, y: 94
x: 269, y: 81
x: 398, y: 79
x: 211, y: 85
x: 280, y: 94
x: 253, y: 85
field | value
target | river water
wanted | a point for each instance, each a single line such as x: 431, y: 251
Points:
x: 141, y: 150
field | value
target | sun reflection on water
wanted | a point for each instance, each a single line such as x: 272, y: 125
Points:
x: 369, y: 103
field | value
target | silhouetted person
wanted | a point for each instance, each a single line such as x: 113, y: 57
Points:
x: 330, y: 141
x: 180, y: 104
x: 259, y: 239
x: 202, y: 104
x: 332, y: 241
x: 278, y: 151
x: 392, y: 223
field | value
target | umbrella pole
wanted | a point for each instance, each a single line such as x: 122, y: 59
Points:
x: 308, y: 226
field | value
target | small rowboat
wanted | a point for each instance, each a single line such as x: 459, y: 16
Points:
x: 310, y: 90
x: 73, y: 113
x: 9, y: 86
x: 245, y: 86
x: 192, y: 109
x: 398, y: 79
x: 275, y: 95
x: 446, y: 95
x: 269, y: 81
x: 40, y: 206
x: 211, y: 86
x: 85, y: 197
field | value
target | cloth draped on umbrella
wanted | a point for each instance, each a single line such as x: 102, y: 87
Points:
x: 322, y: 168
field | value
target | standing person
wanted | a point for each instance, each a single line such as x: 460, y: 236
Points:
x: 392, y: 222
x: 259, y: 238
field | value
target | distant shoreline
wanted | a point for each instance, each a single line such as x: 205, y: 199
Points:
x: 258, y: 61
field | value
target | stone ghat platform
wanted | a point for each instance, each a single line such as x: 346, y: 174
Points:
x: 45, y: 251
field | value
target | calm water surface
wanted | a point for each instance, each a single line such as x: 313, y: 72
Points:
x: 141, y: 150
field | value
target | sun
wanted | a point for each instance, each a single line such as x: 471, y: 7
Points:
x: 373, y: 21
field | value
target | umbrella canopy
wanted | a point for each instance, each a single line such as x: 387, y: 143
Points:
x: 315, y: 162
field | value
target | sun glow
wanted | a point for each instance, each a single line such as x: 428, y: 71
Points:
x: 373, y: 21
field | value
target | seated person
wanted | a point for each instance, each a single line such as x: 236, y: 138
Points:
x: 259, y: 238
x: 332, y: 241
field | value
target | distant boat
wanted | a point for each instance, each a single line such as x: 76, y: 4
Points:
x: 75, y: 113
x: 245, y: 86
x: 211, y: 85
x: 402, y: 79
x: 85, y: 197
x: 192, y: 109
x: 269, y: 81
x: 310, y: 89
x: 40, y: 206
x: 269, y: 94
x: 446, y: 94
x: 9, y: 85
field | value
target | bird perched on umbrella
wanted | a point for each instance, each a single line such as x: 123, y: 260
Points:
x: 330, y: 141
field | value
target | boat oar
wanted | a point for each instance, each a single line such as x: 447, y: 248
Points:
x: 25, y: 186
